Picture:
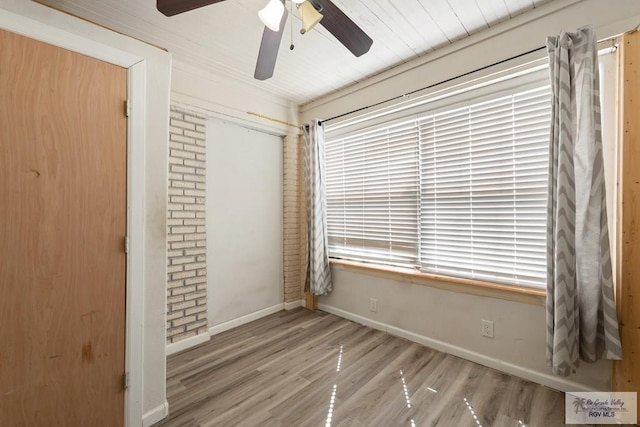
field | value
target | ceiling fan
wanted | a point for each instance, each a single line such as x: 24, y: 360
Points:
x: 274, y: 15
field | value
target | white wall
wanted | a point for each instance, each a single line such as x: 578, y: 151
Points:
x: 153, y: 175
x: 451, y: 322
x: 443, y: 319
x: 244, y: 222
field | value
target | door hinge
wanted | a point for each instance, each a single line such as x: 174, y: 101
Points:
x: 125, y: 380
x: 127, y: 108
x: 126, y: 244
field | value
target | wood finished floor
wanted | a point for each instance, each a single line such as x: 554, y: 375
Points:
x: 300, y: 368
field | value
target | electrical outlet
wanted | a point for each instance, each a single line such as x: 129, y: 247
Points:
x: 373, y: 305
x: 487, y: 328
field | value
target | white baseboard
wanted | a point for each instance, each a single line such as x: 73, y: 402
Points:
x: 155, y: 415
x: 216, y: 329
x: 549, y: 380
x: 292, y: 305
x: 187, y: 343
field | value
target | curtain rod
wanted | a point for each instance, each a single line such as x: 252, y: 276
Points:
x: 436, y: 84
x: 273, y: 119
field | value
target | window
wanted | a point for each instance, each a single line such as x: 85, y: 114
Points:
x: 373, y: 195
x: 484, y: 189
x: 459, y: 190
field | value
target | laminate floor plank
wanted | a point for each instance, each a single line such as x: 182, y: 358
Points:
x: 209, y: 351
x: 485, y: 404
x: 517, y: 401
x: 279, y: 379
x: 547, y: 408
x: 229, y: 366
x: 312, y: 369
x: 447, y: 378
x: 459, y: 408
x: 386, y: 390
x: 253, y: 407
x: 363, y: 343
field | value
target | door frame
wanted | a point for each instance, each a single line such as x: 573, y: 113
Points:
x: 136, y: 82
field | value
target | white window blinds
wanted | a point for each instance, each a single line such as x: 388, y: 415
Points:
x: 484, y: 189
x: 372, y: 192
x: 459, y: 191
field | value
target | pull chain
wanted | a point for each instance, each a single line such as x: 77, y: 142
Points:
x: 291, y: 46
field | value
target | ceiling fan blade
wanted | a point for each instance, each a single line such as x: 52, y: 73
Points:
x: 174, y: 7
x: 343, y: 28
x: 269, y: 47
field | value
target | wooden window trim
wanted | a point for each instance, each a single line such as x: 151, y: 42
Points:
x: 515, y: 293
x: 626, y: 372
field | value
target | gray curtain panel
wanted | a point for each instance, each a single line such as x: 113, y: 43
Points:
x: 581, y: 312
x: 318, y: 275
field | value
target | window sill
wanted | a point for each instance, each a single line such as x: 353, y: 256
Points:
x: 516, y: 293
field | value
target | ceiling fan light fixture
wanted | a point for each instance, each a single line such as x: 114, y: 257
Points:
x: 271, y: 14
x: 310, y: 16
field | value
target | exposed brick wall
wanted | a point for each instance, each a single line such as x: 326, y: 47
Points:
x: 187, y: 244
x: 294, y: 220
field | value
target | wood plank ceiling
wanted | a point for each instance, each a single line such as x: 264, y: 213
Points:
x: 223, y: 39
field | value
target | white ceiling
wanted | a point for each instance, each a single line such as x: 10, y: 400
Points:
x: 224, y: 38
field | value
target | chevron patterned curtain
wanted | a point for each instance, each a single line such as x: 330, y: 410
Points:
x: 581, y: 312
x: 318, y: 275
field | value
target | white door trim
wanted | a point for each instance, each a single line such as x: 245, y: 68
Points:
x: 135, y: 185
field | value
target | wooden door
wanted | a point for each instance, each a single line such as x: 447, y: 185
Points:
x: 62, y: 223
